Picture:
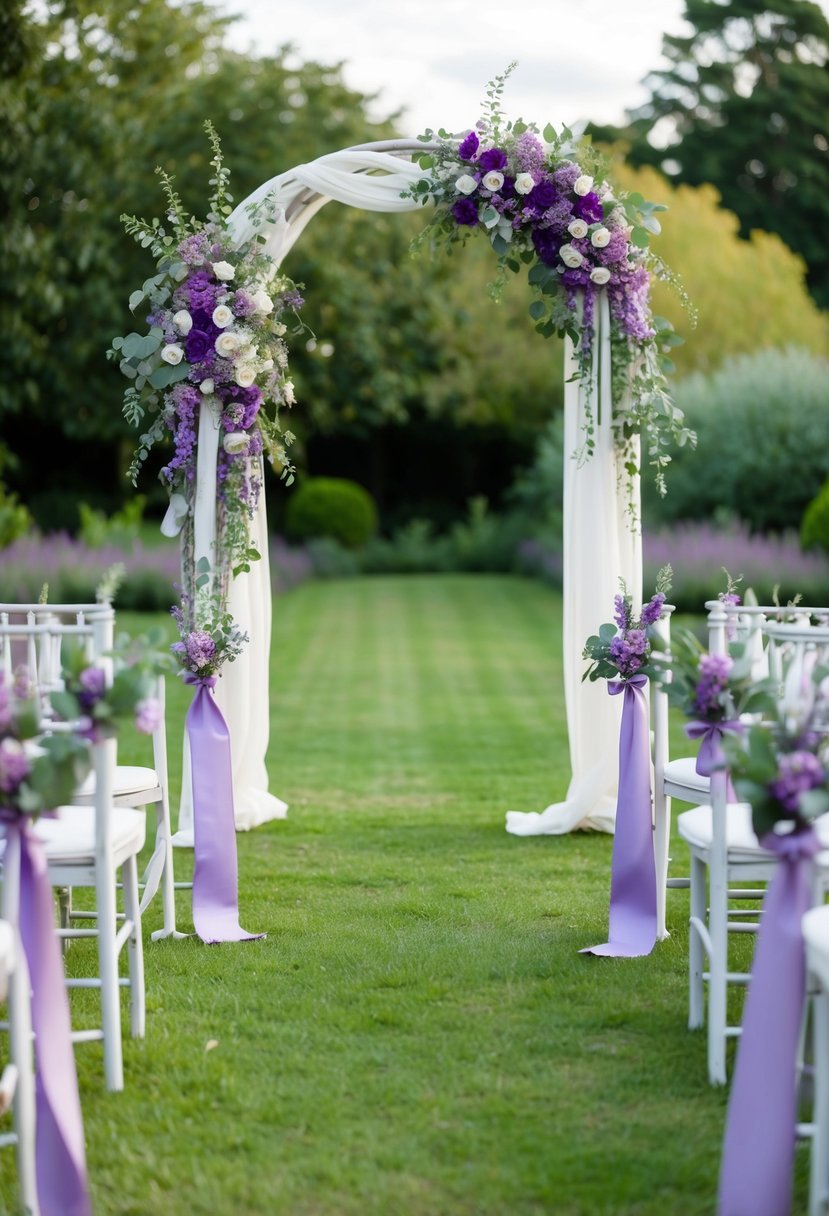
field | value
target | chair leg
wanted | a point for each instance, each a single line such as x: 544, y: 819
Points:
x: 819, y: 1163
x: 717, y: 975
x: 696, y: 948
x: 135, y: 948
x: 661, y: 838
x: 110, y: 991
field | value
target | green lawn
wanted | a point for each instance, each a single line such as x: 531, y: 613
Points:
x: 418, y: 1035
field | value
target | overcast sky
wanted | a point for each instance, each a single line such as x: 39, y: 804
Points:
x: 577, y: 59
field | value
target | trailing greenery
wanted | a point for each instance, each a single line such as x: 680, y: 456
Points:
x: 418, y: 1034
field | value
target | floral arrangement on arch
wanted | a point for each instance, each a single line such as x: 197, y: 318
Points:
x: 623, y: 648
x: 544, y: 203
x: 217, y: 320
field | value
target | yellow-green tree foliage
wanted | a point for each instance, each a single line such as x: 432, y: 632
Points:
x: 749, y: 294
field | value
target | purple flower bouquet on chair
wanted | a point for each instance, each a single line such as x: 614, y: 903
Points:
x: 620, y: 653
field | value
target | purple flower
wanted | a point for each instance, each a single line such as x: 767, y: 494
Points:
x: 714, y: 672
x: 653, y: 609
x: 200, y: 649
x: 546, y: 245
x: 92, y: 682
x: 292, y: 299
x: 193, y: 249
x: 621, y: 613
x: 797, y: 772
x: 147, y: 715
x: 243, y: 305
x: 589, y: 208
x: 575, y: 278
x: 14, y: 765
x: 566, y: 175
x: 469, y: 147
x: 465, y: 211
x: 542, y: 196
x: 197, y: 345
x: 492, y: 158
x: 529, y: 152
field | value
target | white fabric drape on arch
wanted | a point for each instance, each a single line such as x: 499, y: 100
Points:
x: 372, y: 178
x: 602, y: 544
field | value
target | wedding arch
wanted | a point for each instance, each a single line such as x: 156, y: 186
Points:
x: 602, y: 539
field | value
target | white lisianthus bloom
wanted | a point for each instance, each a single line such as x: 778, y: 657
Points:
x: 466, y: 184
x: 245, y: 374
x: 183, y: 322
x: 207, y: 387
x: 263, y: 302
x: 524, y: 183
x: 583, y: 185
x: 288, y: 392
x: 266, y: 365
x: 600, y: 238
x: 600, y: 276
x: 570, y: 257
x: 222, y: 316
x: 227, y: 343
x: 172, y: 353
x: 235, y: 442
x: 577, y: 229
x: 493, y: 180
x: 279, y: 329
x: 224, y: 271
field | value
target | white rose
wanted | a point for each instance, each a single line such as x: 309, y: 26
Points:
x: 223, y: 271
x: 183, y: 322
x: 266, y: 365
x: 577, y: 229
x: 600, y: 276
x: 263, y: 302
x: 600, y: 238
x: 582, y: 185
x: 245, y: 374
x: 227, y: 343
x: 172, y: 353
x: 222, y: 316
x: 493, y: 180
x: 524, y: 183
x: 288, y: 392
x: 207, y: 387
x: 235, y: 442
x: 570, y: 256
x: 466, y: 184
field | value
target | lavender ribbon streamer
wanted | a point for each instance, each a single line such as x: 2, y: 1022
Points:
x: 711, y: 756
x: 633, y: 870
x: 215, y: 875
x: 759, y: 1143
x: 60, y: 1154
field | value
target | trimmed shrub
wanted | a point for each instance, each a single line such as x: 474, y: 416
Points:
x: 331, y: 507
x: 814, y: 531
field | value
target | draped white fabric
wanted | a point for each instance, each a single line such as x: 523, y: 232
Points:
x: 599, y: 546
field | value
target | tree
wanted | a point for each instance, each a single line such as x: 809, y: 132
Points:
x: 743, y: 104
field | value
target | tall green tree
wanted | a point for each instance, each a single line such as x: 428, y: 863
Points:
x: 744, y: 104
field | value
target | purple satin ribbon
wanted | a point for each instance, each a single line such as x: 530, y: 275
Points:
x: 759, y: 1143
x: 633, y: 870
x: 60, y: 1155
x: 711, y: 756
x: 215, y: 877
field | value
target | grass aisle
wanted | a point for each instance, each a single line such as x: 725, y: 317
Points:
x: 418, y: 1035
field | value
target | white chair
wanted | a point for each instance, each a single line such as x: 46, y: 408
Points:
x: 816, y: 937
x: 725, y: 850
x: 17, y: 1089
x: 134, y: 785
x: 90, y: 846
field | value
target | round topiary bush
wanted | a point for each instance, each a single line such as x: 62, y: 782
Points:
x: 814, y: 530
x: 334, y: 507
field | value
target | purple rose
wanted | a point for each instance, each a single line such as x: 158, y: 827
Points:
x: 542, y: 196
x: 493, y: 158
x: 589, y: 208
x: 465, y: 211
x: 197, y: 345
x: 469, y: 147
x: 547, y: 245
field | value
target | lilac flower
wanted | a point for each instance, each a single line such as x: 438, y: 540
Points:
x: 193, y: 249
x: 575, y: 278
x: 714, y: 672
x: 200, y: 649
x: 292, y: 299
x: 492, y: 158
x: 147, y: 715
x: 653, y: 609
x: 566, y: 175
x: 92, y: 681
x: 558, y: 216
x: 243, y: 304
x: 469, y: 147
x: 615, y: 250
x: 621, y: 611
x: 529, y: 152
x: 797, y: 772
x: 627, y: 295
x: 465, y: 211
x: 14, y: 765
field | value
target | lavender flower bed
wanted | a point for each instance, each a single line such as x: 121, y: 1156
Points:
x: 73, y: 570
x: 699, y: 552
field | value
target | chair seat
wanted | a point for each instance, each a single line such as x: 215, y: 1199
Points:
x: 683, y: 773
x: 695, y: 827
x: 128, y: 779
x: 69, y: 838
